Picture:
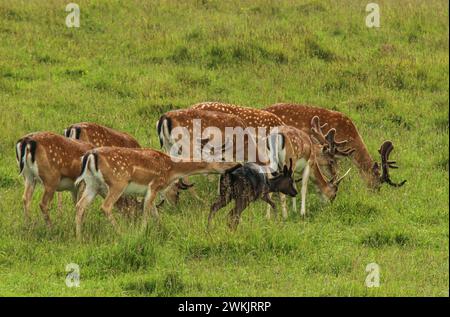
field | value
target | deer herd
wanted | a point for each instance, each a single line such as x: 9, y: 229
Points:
x: 90, y: 159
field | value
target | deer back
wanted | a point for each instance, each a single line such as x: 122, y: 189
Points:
x: 53, y: 154
x: 256, y: 118
x: 100, y: 135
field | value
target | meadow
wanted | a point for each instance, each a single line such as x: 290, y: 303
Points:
x: 131, y: 61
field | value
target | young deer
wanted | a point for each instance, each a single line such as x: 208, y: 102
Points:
x: 300, y: 116
x: 247, y: 183
x: 99, y: 135
x: 309, y: 153
x: 113, y: 172
x: 54, y: 161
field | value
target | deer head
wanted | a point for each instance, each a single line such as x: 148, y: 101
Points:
x: 385, y: 150
x: 284, y: 182
x: 331, y: 149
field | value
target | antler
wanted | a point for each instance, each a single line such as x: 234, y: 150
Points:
x: 335, y: 181
x: 316, y: 129
x: 385, y: 150
x: 331, y: 146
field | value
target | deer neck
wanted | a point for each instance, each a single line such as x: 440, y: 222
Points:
x: 272, y: 187
x: 364, y: 162
x: 182, y: 169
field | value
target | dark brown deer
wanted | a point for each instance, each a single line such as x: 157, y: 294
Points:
x: 300, y: 116
x: 247, y: 183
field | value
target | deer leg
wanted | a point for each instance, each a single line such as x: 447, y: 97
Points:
x: 49, y: 191
x: 113, y: 195
x: 149, y: 206
x: 294, y: 201
x: 59, y: 199
x: 216, y: 206
x: 305, y: 178
x: 86, y: 199
x: 74, y: 195
x: 271, y: 204
x: 235, y: 214
x: 284, y: 212
x: 27, y: 197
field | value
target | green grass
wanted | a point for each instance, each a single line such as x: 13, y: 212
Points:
x: 131, y: 61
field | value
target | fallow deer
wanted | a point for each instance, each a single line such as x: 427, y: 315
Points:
x: 247, y: 183
x: 99, y: 135
x: 300, y: 116
x: 114, y: 171
x: 312, y: 152
x: 50, y: 159
x: 252, y: 117
x: 202, y: 121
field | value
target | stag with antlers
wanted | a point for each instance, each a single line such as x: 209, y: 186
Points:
x: 300, y: 116
x: 310, y: 153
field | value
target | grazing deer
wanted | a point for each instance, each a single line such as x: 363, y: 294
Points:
x: 309, y: 153
x: 256, y: 118
x: 99, y: 135
x: 300, y: 116
x: 114, y: 171
x: 54, y: 161
x: 203, y: 122
x: 247, y: 183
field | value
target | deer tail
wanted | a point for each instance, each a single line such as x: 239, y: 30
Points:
x: 164, y: 128
x: 25, y: 148
x: 89, y: 164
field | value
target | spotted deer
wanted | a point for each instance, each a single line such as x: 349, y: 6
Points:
x: 252, y: 117
x: 203, y: 122
x: 114, y: 172
x: 300, y: 116
x: 99, y: 135
x: 52, y: 160
x: 206, y: 123
x: 311, y: 153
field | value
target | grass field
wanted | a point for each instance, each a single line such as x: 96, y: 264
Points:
x: 131, y: 61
